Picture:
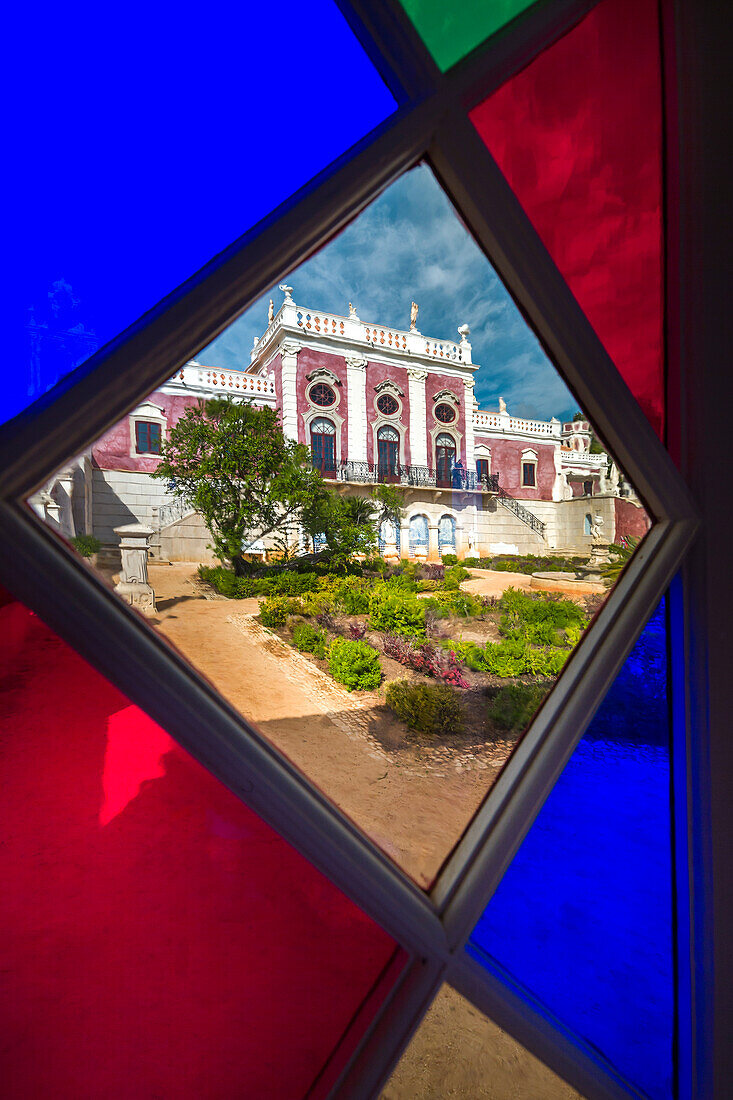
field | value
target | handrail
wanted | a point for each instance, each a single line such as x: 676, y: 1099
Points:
x: 521, y: 512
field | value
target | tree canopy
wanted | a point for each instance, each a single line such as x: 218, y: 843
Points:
x: 232, y: 464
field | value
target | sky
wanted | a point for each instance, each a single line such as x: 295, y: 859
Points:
x: 411, y: 245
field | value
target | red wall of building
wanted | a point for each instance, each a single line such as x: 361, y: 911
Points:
x: 506, y: 461
x: 630, y: 520
x: 113, y: 450
x: 434, y: 384
x: 309, y: 360
x: 380, y: 372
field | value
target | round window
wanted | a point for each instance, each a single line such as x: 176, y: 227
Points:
x: 445, y: 414
x: 387, y: 404
x: 322, y: 395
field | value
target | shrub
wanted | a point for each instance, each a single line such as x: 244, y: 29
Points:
x: 454, y: 575
x: 352, y: 597
x: 513, y: 657
x: 309, y: 640
x: 357, y: 631
x: 542, y: 620
x: 433, y: 572
x: 86, y: 545
x: 430, y: 708
x: 514, y: 705
x: 441, y: 663
x: 395, y: 613
x: 274, y: 612
x: 449, y: 559
x: 354, y: 664
x: 444, y: 604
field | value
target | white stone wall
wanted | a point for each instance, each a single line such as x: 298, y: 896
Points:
x: 123, y: 496
x: 187, y: 539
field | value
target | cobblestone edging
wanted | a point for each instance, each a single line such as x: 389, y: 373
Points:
x: 350, y: 712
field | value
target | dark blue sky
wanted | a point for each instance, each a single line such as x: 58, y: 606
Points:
x: 410, y: 244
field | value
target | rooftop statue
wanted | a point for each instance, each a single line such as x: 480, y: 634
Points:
x: 413, y: 316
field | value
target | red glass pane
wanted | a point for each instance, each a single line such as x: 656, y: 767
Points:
x: 158, y: 939
x: 578, y: 134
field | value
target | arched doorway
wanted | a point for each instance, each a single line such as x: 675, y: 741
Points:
x: 323, y: 446
x: 445, y: 459
x: 388, y: 453
x: 418, y: 534
x: 446, y: 535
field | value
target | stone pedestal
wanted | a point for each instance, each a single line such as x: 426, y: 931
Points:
x: 133, y: 586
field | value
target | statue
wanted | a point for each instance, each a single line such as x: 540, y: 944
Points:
x: 287, y: 291
x: 596, y: 527
x: 270, y: 312
x: 352, y: 313
x: 502, y: 407
x: 413, y: 316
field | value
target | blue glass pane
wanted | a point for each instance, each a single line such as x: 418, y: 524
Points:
x: 145, y: 139
x: 583, y: 917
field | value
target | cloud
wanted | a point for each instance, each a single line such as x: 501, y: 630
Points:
x: 410, y: 245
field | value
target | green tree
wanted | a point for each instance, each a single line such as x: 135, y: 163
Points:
x: 232, y: 464
x: 351, y: 524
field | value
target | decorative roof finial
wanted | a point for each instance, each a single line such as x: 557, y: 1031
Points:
x: 463, y: 332
x: 287, y: 291
x: 502, y: 407
x: 352, y: 312
x: 413, y: 316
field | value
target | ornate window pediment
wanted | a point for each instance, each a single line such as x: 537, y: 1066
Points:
x: 323, y: 374
x: 447, y: 395
x: 388, y: 386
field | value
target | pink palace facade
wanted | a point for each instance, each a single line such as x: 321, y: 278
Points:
x: 374, y: 404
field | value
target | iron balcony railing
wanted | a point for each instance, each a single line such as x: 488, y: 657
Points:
x: 371, y: 473
x: 416, y: 476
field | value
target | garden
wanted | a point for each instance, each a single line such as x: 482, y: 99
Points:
x: 453, y: 667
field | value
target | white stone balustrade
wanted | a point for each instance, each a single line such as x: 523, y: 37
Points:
x: 498, y: 422
x: 583, y: 458
x: 352, y: 329
x: 194, y: 378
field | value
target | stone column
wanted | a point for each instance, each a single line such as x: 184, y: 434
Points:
x: 357, y: 409
x: 405, y: 539
x: 133, y: 586
x: 64, y: 488
x: 459, y: 541
x: 433, y: 549
x: 418, y: 417
x: 289, y: 352
x: 470, y: 404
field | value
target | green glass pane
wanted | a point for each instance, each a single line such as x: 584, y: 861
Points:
x: 450, y: 31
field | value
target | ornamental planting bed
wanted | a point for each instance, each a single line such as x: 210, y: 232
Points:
x: 457, y: 669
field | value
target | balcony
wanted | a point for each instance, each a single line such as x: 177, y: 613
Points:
x: 416, y: 477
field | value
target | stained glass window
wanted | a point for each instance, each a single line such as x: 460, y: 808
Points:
x: 582, y: 920
x: 151, y: 161
x: 451, y: 31
x: 578, y: 134
x: 158, y: 937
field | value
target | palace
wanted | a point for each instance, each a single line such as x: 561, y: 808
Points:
x: 374, y: 405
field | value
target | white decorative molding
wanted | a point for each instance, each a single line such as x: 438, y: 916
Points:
x: 289, y: 354
x: 418, y: 417
x: 323, y: 374
x: 356, y: 408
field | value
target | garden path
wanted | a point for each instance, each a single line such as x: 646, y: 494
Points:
x: 411, y: 800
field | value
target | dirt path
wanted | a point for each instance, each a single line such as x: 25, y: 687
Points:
x: 413, y: 800
x: 458, y: 1052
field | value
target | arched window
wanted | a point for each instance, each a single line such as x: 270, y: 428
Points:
x: 587, y: 524
x: 447, y: 535
x: 323, y: 446
x: 418, y: 534
x: 387, y: 404
x: 388, y: 453
x: 446, y: 414
x: 445, y: 459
